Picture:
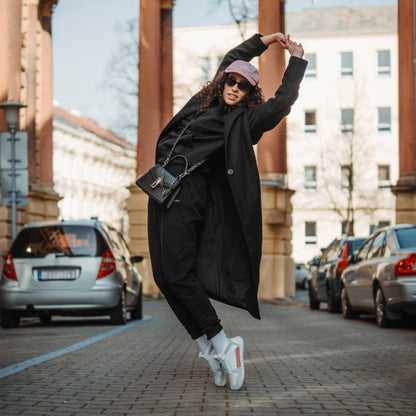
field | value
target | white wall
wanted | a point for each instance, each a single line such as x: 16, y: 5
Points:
x: 91, y: 174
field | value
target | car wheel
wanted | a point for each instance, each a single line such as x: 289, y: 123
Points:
x: 305, y: 284
x: 9, y: 319
x: 331, y: 301
x: 347, y: 312
x: 118, y: 315
x: 382, y: 310
x: 313, y: 302
x: 137, y: 312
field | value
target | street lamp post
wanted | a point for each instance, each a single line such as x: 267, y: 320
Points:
x: 11, y: 111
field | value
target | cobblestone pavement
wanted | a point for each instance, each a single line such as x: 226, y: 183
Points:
x: 298, y: 362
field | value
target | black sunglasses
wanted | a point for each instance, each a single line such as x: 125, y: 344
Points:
x: 242, y: 85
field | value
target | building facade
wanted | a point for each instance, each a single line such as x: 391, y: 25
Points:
x: 26, y: 77
x: 342, y: 133
x: 92, y: 169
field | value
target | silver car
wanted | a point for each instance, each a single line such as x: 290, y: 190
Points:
x: 69, y: 268
x: 302, y: 275
x: 382, y: 279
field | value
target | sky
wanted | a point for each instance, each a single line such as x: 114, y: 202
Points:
x: 85, y: 37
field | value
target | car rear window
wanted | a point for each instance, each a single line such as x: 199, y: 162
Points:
x: 68, y: 240
x: 406, y: 237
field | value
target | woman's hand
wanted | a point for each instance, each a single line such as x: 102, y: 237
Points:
x: 293, y: 47
x: 272, y: 38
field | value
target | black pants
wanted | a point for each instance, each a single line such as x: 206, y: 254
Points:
x: 173, y: 237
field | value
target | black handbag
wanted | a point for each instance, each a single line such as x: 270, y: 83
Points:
x: 160, y: 184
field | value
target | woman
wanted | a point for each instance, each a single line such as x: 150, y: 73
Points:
x: 208, y: 243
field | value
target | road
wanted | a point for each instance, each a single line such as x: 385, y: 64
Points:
x: 298, y: 362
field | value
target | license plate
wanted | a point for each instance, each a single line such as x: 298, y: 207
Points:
x: 64, y: 274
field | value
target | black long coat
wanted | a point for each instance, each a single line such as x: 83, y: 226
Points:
x: 229, y: 251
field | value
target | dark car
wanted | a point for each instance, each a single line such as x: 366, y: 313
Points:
x: 382, y: 278
x: 69, y: 268
x: 324, y: 284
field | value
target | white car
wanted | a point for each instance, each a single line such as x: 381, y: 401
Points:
x: 302, y: 275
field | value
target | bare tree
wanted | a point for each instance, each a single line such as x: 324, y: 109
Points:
x: 349, y: 151
x: 241, y: 11
x: 122, y: 77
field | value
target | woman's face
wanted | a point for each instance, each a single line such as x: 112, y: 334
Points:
x: 233, y: 94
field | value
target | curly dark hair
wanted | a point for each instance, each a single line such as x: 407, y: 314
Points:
x: 211, y: 95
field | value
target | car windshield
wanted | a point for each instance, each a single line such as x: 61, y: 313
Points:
x: 67, y: 240
x: 406, y: 237
x: 356, y: 245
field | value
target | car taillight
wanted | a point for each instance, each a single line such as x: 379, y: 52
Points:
x: 406, y: 266
x: 8, y: 268
x: 343, y: 262
x: 108, y: 264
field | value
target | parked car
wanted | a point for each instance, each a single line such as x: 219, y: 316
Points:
x: 69, y: 268
x: 324, y: 284
x: 301, y: 276
x: 382, y: 278
x: 313, y: 263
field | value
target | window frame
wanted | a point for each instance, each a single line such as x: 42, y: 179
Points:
x: 383, y: 70
x: 383, y: 183
x: 311, y: 239
x: 311, y: 68
x: 383, y: 126
x: 347, y: 71
x: 309, y: 184
x: 310, y: 128
x: 347, y: 127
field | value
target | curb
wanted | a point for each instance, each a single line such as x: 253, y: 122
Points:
x: 284, y: 302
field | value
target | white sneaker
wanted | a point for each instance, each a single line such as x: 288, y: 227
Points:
x: 215, y: 366
x: 232, y: 359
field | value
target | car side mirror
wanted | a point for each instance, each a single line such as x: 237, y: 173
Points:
x: 136, y: 259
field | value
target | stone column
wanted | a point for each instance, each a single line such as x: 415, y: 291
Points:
x: 10, y: 71
x: 405, y: 189
x: 30, y: 84
x: 277, y: 269
x: 4, y: 47
x: 155, y: 110
x: 42, y: 198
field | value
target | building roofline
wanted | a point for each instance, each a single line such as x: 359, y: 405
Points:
x: 91, y: 126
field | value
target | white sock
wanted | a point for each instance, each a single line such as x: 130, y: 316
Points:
x: 219, y: 341
x: 203, y: 343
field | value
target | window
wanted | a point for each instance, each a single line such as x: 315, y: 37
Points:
x: 384, y: 119
x: 310, y: 177
x: 347, y: 120
x: 204, y: 69
x: 377, y: 248
x: 362, y: 254
x: 383, y: 224
x: 383, y: 62
x: 333, y: 251
x: 346, y: 64
x: 311, y: 68
x: 383, y: 177
x: 406, y: 237
x: 347, y: 180
x: 347, y: 227
x: 310, y: 121
x: 310, y: 232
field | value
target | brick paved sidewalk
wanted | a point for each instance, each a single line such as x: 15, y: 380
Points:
x: 298, y: 362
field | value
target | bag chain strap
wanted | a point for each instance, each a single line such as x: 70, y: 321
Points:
x: 170, y: 158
